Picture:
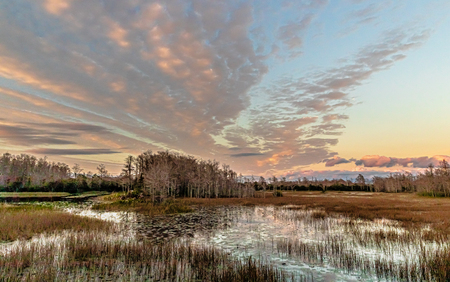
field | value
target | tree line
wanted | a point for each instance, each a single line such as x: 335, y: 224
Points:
x: 434, y: 181
x: 167, y: 174
x: 26, y: 173
x: 159, y: 175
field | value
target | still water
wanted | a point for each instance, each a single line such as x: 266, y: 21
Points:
x: 310, y: 244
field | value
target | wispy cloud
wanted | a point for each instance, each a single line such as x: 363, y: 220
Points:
x: 65, y: 152
x: 200, y: 77
x: 28, y: 136
x: 246, y: 155
x: 288, y: 128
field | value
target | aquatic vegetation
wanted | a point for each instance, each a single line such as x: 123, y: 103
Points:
x: 92, y: 255
x: 312, y: 243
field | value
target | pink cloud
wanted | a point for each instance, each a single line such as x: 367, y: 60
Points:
x: 383, y: 161
x: 335, y: 161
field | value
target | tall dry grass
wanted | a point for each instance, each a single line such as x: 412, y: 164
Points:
x: 100, y: 257
x: 382, y: 248
x: 25, y: 221
x: 144, y: 206
x: 409, y: 209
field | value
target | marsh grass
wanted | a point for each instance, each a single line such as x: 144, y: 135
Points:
x: 431, y: 265
x: 145, y: 207
x: 113, y: 197
x: 25, y: 221
x: 409, y: 209
x: 383, y: 248
x: 85, y: 256
x: 385, y: 236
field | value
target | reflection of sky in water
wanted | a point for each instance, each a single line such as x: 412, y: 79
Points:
x: 117, y: 217
x: 256, y: 231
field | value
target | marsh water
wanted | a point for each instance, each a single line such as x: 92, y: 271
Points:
x: 308, y: 244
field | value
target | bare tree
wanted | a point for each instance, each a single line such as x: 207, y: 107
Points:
x: 128, y: 171
x: 102, y: 172
x: 77, y: 170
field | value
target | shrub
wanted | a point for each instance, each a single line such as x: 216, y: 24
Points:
x: 278, y: 193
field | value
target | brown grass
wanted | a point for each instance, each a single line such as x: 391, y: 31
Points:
x: 25, y: 221
x: 145, y: 207
x: 407, y: 208
x: 95, y: 257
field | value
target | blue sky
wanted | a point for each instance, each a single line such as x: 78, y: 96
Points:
x: 285, y: 88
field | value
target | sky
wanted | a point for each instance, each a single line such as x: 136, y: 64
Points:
x: 326, y: 89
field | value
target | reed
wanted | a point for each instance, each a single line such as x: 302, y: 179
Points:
x: 84, y: 256
x: 407, y: 208
x: 25, y: 221
x: 401, y: 254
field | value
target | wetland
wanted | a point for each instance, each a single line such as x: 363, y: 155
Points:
x: 299, y: 237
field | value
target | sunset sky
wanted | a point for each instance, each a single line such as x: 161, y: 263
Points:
x: 287, y: 88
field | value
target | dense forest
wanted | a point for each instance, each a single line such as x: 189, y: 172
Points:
x: 166, y: 174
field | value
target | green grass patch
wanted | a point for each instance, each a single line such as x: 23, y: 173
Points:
x: 33, y: 194
x: 433, y: 194
x: 88, y: 195
x: 278, y: 193
x: 113, y: 196
x: 25, y: 221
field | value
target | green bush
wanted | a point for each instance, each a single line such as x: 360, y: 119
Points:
x: 278, y: 193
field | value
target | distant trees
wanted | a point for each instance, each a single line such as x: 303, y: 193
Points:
x: 102, y: 172
x: 167, y: 174
x: 360, y: 180
x: 77, y: 170
x: 160, y: 175
x: 434, y: 181
x: 26, y: 170
x: 127, y: 170
x: 27, y: 173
